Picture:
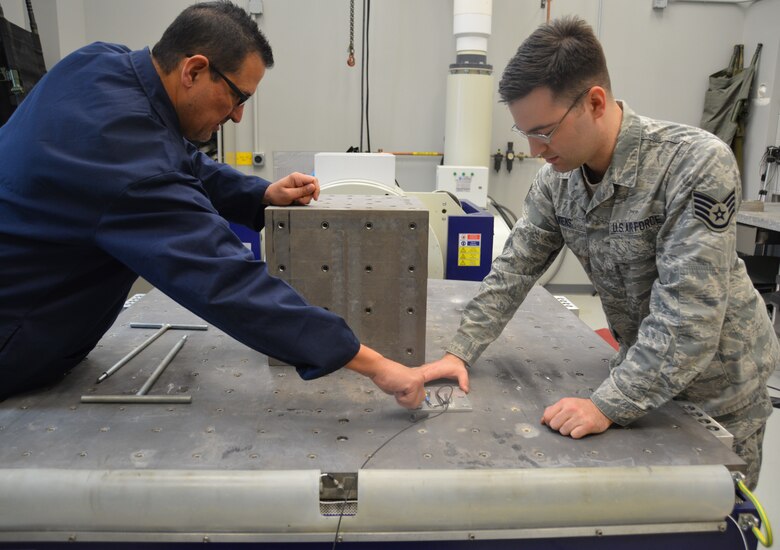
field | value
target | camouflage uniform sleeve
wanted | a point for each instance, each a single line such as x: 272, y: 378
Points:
x: 531, y: 247
x: 695, y: 253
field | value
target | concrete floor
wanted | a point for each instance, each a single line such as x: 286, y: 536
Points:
x: 768, y: 491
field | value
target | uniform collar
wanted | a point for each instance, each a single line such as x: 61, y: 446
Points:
x: 622, y: 168
x: 154, y: 89
x: 625, y: 158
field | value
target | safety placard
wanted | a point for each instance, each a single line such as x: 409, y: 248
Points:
x: 469, y: 249
x: 243, y: 158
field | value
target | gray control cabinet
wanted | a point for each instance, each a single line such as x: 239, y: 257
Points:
x: 363, y: 257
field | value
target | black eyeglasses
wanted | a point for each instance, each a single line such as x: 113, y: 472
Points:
x: 242, y: 97
x: 547, y: 138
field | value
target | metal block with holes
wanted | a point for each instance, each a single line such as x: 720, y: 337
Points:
x: 364, y: 258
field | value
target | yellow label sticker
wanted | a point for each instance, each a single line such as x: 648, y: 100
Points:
x: 469, y: 249
x: 244, y: 158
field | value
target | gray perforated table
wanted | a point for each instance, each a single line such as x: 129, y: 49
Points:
x: 244, y: 461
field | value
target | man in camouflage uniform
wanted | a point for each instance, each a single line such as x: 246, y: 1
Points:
x: 648, y: 208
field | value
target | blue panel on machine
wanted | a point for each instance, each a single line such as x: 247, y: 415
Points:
x: 469, y: 244
x: 249, y: 237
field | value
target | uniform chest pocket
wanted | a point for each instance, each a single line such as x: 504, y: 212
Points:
x: 634, y: 240
x: 635, y: 267
x: 633, y: 248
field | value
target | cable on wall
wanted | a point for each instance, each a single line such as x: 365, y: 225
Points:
x: 364, y: 62
x: 367, y: 27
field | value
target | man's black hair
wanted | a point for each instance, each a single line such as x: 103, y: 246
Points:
x: 222, y: 31
x: 563, y: 55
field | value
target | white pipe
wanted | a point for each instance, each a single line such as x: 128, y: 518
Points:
x: 715, y: 1
x: 469, y: 106
x: 179, y: 502
x: 540, y: 497
x: 472, y: 24
x: 256, y: 104
x: 220, y: 152
x: 255, y: 124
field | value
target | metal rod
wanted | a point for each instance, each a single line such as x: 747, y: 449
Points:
x: 161, y: 399
x: 163, y: 328
x: 161, y: 367
x: 119, y: 364
x: 170, y: 326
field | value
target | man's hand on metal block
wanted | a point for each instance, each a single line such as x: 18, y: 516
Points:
x: 296, y: 188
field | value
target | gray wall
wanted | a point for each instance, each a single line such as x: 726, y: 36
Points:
x: 310, y: 101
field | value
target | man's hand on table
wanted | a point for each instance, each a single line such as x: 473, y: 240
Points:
x: 575, y: 417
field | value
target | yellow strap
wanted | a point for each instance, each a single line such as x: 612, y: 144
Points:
x: 764, y: 540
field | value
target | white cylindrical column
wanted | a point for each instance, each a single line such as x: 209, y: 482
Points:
x: 468, y: 122
x: 472, y: 24
x: 468, y: 118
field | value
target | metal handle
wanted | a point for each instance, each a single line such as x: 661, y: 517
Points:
x: 161, y: 367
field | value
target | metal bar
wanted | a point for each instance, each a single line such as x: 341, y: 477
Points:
x: 170, y: 326
x: 700, y: 529
x: 124, y: 360
x: 161, y: 367
x: 163, y: 328
x: 160, y: 399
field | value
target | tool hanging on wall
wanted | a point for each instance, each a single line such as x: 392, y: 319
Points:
x: 727, y: 100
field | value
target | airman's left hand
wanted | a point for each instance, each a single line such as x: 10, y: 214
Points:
x: 296, y: 188
x: 449, y: 366
x: 575, y: 417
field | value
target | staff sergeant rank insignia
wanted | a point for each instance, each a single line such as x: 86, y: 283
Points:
x: 716, y: 215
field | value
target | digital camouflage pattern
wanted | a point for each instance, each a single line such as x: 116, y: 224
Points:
x: 653, y: 242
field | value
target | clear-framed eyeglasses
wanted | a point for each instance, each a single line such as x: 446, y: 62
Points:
x: 547, y: 138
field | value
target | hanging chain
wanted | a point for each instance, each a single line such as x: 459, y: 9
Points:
x: 351, y: 58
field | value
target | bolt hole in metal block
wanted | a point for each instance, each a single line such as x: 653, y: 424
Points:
x: 362, y: 257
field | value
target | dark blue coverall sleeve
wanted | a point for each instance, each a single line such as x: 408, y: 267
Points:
x: 167, y: 230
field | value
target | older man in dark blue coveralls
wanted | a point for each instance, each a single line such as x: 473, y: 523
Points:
x: 101, y: 182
